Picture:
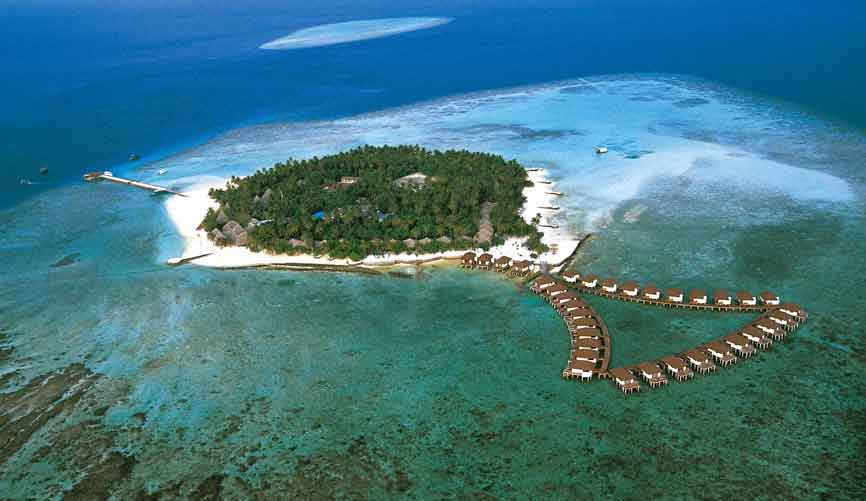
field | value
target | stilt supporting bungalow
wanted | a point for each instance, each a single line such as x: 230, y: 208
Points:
x: 624, y: 379
x: 652, y: 374
x: 721, y: 352
x: 677, y: 367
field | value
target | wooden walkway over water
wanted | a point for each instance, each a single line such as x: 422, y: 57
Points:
x: 108, y: 176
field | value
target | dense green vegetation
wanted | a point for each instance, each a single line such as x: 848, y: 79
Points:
x: 302, y: 207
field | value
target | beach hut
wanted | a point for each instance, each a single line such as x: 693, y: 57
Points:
x: 585, y: 355
x: 521, y: 268
x: 700, y: 361
x: 675, y: 295
x: 589, y: 281
x: 652, y: 374
x: 652, y: 292
x: 570, y: 276
x: 485, y: 261
x: 722, y: 298
x: 468, y: 260
x: 677, y: 367
x: 349, y: 179
x: 698, y: 296
x: 740, y: 344
x: 609, y: 285
x: 542, y: 282
x: 587, y: 344
x: 745, y: 298
x: 769, y: 298
x: 579, y: 369
x: 756, y: 336
x: 630, y: 289
x: 624, y: 379
x: 721, y: 352
x: 502, y: 263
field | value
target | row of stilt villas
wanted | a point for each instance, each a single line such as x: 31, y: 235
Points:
x: 651, y: 292
x: 501, y: 264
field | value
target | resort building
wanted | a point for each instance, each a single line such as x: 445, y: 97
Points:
x: 700, y: 361
x: 573, y: 312
x: 414, y: 180
x: 589, y: 281
x: 570, y: 276
x: 594, y: 333
x: 721, y: 352
x: 745, y: 298
x: 630, y: 289
x: 349, y: 179
x: 502, y: 263
x: 677, y: 367
x: 770, y: 328
x: 587, y: 344
x: 609, y: 285
x: 485, y: 261
x: 740, y: 345
x: 652, y: 374
x: 722, y: 298
x: 554, y: 290
x: 781, y: 319
x: 565, y: 298
x: 543, y: 282
x: 756, y: 336
x: 675, y: 295
x: 624, y: 379
x: 652, y: 292
x: 769, y: 298
x: 698, y: 296
x: 582, y: 323
x: 468, y: 260
x: 579, y: 369
x: 792, y: 310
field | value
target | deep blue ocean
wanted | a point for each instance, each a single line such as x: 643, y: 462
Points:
x: 88, y: 83
x: 737, y: 137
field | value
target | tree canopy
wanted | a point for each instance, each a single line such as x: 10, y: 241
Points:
x: 360, y: 202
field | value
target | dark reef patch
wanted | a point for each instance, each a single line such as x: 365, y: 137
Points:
x: 108, y: 473
x: 66, y: 260
x: 692, y: 102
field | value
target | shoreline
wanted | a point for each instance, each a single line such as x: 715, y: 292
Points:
x: 186, y: 213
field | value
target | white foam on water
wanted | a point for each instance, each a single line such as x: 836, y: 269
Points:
x: 352, y: 31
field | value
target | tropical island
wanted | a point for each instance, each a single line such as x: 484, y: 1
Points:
x: 376, y: 200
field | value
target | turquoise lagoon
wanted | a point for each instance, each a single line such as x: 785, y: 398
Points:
x: 286, y: 384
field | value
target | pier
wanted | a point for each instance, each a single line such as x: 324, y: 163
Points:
x: 108, y: 176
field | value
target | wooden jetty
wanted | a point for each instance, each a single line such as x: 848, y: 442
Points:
x: 108, y: 176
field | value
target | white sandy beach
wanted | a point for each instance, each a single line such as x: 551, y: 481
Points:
x: 187, y: 213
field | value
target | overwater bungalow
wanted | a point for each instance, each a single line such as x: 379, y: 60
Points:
x: 781, y: 319
x: 573, y: 312
x: 594, y: 333
x: 630, y: 289
x: 468, y: 260
x: 570, y: 276
x: 697, y: 296
x: 624, y: 379
x: 700, y: 361
x: 721, y: 352
x: 745, y: 298
x: 740, y: 344
x: 756, y: 336
x: 590, y: 281
x: 579, y: 369
x: 585, y: 355
x: 769, y: 298
x: 502, y: 263
x: 485, y: 261
x: 675, y: 295
x: 587, y: 344
x: 792, y: 310
x: 521, y: 268
x: 652, y: 374
x: 609, y: 285
x: 554, y: 290
x: 770, y: 328
x: 722, y: 298
x: 542, y: 282
x: 677, y: 367
x: 567, y: 297
x: 652, y: 292
x: 582, y: 323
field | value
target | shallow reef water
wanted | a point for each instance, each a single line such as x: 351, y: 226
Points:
x: 120, y: 376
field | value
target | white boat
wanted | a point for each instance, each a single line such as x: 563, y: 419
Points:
x: 161, y: 171
x: 601, y: 150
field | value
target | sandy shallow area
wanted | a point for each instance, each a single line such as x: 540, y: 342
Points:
x: 187, y: 213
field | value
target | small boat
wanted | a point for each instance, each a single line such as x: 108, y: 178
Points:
x: 24, y: 180
x: 43, y: 171
x: 601, y: 150
x: 161, y: 171
x: 133, y: 157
